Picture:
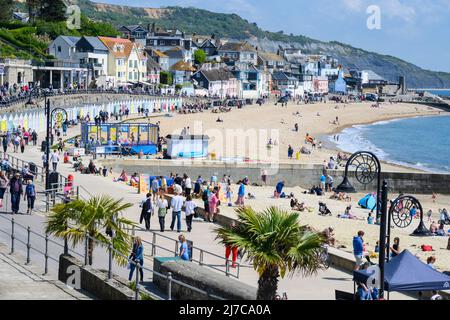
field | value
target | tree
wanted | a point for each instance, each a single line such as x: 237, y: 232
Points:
x: 6, y: 10
x: 34, y: 8
x: 199, y: 56
x: 53, y: 10
x: 276, y: 244
x: 96, y: 217
x: 166, y: 78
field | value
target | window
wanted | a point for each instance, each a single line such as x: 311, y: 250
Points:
x: 59, y: 48
x: 130, y: 75
x: 136, y: 75
x: 135, y: 64
x: 130, y: 63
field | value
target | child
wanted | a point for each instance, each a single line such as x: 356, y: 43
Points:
x: 429, y: 214
x: 370, y: 219
x: 30, y: 195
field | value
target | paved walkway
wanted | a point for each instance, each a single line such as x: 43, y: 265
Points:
x: 20, y: 282
x: 320, y: 287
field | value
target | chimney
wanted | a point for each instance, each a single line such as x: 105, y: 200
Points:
x: 213, y: 36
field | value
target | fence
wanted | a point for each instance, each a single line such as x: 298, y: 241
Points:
x: 29, y: 246
x: 198, y: 255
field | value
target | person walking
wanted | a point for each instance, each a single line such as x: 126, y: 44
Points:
x: 162, y: 205
x: 54, y: 158
x: 30, y: 195
x: 16, y: 143
x: 5, y: 143
x: 16, y: 191
x: 231, y: 250
x: 241, y: 194
x: 22, y: 145
x: 189, y: 206
x: 184, y: 249
x: 34, y: 137
x: 146, y: 212
x: 137, y: 256
x: 264, y: 176
x: 213, y: 203
x: 176, y: 205
x: 155, y: 189
x: 3, y: 186
x: 187, y: 185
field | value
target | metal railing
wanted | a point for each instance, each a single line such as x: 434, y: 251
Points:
x: 200, y: 257
x: 110, y: 249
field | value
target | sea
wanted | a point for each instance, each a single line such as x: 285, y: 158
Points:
x: 422, y: 143
x: 440, y: 92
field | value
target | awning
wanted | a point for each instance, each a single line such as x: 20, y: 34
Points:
x: 147, y: 83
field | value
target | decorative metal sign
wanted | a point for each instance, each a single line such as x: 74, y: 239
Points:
x: 59, y: 115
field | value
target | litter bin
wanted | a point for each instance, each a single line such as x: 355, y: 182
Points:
x: 33, y: 168
x: 43, y: 146
x: 53, y: 180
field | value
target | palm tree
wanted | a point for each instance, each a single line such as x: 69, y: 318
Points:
x: 96, y: 217
x: 276, y: 244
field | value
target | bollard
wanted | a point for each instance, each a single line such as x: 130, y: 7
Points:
x: 110, y: 261
x: 85, y: 250
x: 169, y: 285
x: 28, y: 245
x: 238, y: 270
x: 46, y: 255
x: 133, y: 231
x: 78, y: 192
x: 227, y: 268
x: 12, y: 235
x: 153, y: 244
x: 201, y: 257
x: 176, y: 248
x: 136, y: 293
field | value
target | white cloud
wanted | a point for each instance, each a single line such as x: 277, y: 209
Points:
x: 353, y: 5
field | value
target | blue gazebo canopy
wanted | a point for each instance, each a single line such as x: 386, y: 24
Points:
x: 407, y: 273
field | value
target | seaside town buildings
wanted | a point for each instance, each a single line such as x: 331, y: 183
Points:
x: 158, y: 58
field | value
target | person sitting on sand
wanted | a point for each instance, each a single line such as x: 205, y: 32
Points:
x: 134, y: 180
x: 123, y: 177
x: 328, y: 234
x: 278, y: 189
x: 434, y: 228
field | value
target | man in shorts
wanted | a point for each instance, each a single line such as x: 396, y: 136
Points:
x: 358, y: 249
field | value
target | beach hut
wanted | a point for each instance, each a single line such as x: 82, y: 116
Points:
x: 187, y: 146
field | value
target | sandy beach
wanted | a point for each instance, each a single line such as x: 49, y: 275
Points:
x: 244, y: 133
x: 317, y: 121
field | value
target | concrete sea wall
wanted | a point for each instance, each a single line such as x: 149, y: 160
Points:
x: 303, y: 175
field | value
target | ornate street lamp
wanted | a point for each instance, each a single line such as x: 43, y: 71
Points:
x: 400, y: 212
x: 367, y: 168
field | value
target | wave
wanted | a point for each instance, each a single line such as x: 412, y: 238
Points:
x: 354, y: 139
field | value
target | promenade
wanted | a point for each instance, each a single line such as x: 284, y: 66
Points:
x: 319, y: 287
x: 26, y: 282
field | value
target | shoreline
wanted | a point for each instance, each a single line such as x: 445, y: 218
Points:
x: 332, y: 147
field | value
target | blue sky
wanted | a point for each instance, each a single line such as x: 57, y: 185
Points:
x: 414, y: 30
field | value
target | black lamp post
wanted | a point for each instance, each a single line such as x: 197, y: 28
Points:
x: 367, y: 168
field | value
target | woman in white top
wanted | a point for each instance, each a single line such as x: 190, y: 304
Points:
x: 190, y: 211
x: 162, y: 205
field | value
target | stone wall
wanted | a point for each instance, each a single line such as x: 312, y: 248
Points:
x: 304, y: 175
x: 201, y: 278
x: 93, y: 281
